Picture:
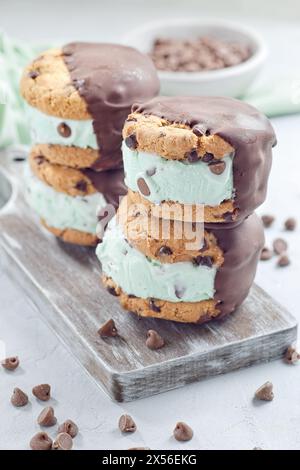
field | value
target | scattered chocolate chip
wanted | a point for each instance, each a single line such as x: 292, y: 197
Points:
x: 164, y: 250
x: 153, y: 306
x: 68, y: 427
x: 267, y: 220
x: 64, y: 130
x: 291, y: 355
x: 108, y: 329
x: 179, y: 291
x: 183, y: 432
x: 112, y: 291
x: 63, y: 441
x: 290, y: 224
x: 19, y: 398
x: 266, y: 254
x: 126, y: 424
x: 33, y: 74
x: 143, y: 187
x: 207, y: 157
x: 279, y: 246
x: 154, y: 340
x: 217, y: 167
x: 283, y: 261
x: 81, y: 185
x: 151, y: 171
x: 192, y: 156
x: 41, y: 441
x: 10, y: 363
x: 131, y: 141
x: 46, y: 417
x: 42, y: 392
x: 203, y: 261
x: 265, y: 392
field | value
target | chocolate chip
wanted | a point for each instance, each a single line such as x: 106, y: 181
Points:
x: 153, y: 307
x: 151, y: 171
x: 283, y: 261
x: 63, y: 441
x: 10, y: 363
x: 217, y: 167
x: 19, y: 159
x: 46, y: 417
x: 41, y: 441
x: 154, y: 340
x: 69, y: 427
x: 198, y: 131
x: 179, y: 291
x: 39, y: 159
x: 279, y: 246
x: 33, y: 74
x: 131, y: 119
x: 207, y: 157
x: 290, y: 224
x: 228, y: 216
x: 64, y: 130
x: 267, y: 220
x: 291, y: 355
x: 183, y: 432
x: 192, y: 156
x: 42, y: 392
x: 112, y: 291
x: 126, y: 424
x: 81, y: 185
x: 108, y: 329
x: 203, y: 261
x: 131, y: 141
x: 266, y: 254
x: 143, y: 187
x: 265, y: 392
x: 19, y: 398
x: 164, y: 250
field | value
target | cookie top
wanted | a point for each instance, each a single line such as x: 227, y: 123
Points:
x: 91, y: 81
x: 189, y: 128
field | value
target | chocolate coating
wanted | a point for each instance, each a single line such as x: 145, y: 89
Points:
x: 247, y: 130
x: 241, y: 246
x: 109, y: 183
x: 110, y: 77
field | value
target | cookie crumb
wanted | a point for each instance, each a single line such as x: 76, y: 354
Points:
x: 108, y: 329
x: 291, y: 355
x: 154, y: 340
x: 42, y: 392
x: 183, y: 432
x: 41, y: 441
x: 265, y: 392
x: 126, y: 424
x: 290, y: 224
x: 19, y: 398
x: 10, y: 363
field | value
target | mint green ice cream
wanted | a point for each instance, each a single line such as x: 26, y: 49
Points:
x: 44, y: 130
x: 144, y: 277
x: 59, y: 210
x: 172, y: 180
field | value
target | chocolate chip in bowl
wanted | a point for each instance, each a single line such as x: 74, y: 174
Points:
x: 206, y: 57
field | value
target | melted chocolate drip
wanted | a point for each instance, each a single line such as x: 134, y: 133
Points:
x: 109, y: 183
x: 247, y: 130
x: 110, y: 78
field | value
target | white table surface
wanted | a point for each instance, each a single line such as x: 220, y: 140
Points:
x: 220, y: 410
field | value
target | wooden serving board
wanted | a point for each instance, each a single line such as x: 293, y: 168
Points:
x: 64, y: 281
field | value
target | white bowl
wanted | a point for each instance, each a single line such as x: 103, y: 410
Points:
x: 231, y: 81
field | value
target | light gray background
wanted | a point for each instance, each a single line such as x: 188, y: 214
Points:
x: 220, y: 410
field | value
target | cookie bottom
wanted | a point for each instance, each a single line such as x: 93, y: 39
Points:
x: 69, y: 156
x: 184, y: 312
x: 224, y: 212
x: 73, y: 236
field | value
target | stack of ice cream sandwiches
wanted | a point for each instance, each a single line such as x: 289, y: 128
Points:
x: 78, y: 98
x: 185, y: 243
